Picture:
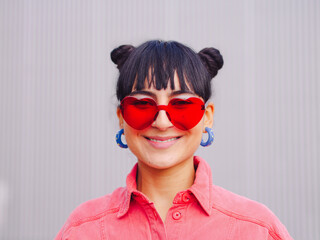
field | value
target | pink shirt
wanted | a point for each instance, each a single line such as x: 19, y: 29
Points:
x: 204, y: 211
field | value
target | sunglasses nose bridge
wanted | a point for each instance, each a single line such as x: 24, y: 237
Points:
x: 162, y: 123
x: 163, y: 107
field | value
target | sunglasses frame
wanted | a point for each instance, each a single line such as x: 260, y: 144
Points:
x: 168, y: 109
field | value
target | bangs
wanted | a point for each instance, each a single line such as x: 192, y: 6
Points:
x: 156, y: 62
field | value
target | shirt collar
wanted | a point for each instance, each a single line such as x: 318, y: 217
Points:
x: 201, y: 188
x: 131, y: 187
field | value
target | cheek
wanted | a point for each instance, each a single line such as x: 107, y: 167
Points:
x: 197, y: 132
x: 197, y: 136
x: 129, y: 132
x: 132, y: 136
x: 200, y: 126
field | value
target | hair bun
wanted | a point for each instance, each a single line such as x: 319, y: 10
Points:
x: 120, y: 54
x: 212, y: 59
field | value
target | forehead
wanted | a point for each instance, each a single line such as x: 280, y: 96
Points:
x: 150, y: 85
x: 151, y: 91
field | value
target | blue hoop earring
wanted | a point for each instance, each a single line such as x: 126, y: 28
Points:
x: 118, y: 139
x: 210, y: 138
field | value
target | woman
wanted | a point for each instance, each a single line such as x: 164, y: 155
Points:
x: 163, y: 89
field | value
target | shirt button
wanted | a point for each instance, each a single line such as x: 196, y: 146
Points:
x: 176, y: 215
x: 185, y: 198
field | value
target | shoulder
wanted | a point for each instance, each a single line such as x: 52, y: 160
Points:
x: 239, y: 206
x: 91, y: 211
x: 98, y: 207
x: 249, y: 212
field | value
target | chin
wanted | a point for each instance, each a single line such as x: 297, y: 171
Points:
x: 158, y: 161
x: 161, y: 162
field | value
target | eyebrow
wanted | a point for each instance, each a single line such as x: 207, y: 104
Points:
x: 151, y: 94
x: 175, y: 93
x: 143, y: 93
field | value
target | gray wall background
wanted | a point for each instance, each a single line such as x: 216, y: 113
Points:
x: 57, y: 103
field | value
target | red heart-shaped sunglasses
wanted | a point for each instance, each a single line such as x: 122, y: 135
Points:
x: 183, y: 113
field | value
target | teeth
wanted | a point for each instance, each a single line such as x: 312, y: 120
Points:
x: 168, y: 140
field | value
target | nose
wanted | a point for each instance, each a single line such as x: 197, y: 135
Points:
x: 162, y: 121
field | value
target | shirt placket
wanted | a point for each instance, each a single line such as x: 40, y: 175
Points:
x: 157, y: 228
x: 177, y: 215
x: 175, y: 219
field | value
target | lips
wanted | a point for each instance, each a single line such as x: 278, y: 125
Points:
x: 158, y: 139
x: 162, y: 142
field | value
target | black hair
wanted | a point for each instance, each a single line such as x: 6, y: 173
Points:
x: 157, y: 61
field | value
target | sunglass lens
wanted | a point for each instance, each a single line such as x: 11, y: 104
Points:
x: 138, y: 113
x: 186, y: 114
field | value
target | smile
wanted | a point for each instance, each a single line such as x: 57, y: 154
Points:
x: 162, y: 142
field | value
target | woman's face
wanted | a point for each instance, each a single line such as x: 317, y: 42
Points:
x: 162, y: 145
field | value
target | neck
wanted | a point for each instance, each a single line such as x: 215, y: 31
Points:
x: 162, y: 185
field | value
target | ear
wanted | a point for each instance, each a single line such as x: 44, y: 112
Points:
x: 120, y: 118
x: 208, y: 116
